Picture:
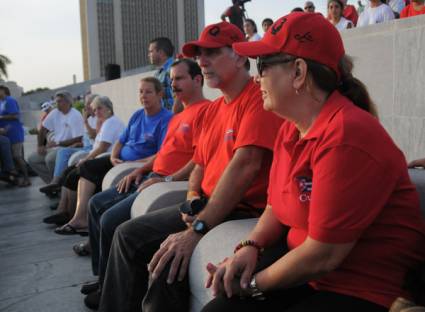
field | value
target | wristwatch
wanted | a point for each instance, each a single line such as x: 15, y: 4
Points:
x: 255, y: 292
x: 168, y: 178
x: 200, y: 227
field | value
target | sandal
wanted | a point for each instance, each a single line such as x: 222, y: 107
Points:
x: 9, y: 177
x: 82, y: 249
x: 68, y: 229
x: 25, y: 183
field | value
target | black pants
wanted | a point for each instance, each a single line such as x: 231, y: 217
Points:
x: 298, y: 299
x: 126, y: 280
x: 95, y: 170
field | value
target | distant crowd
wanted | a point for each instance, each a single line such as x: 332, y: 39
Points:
x: 339, y: 13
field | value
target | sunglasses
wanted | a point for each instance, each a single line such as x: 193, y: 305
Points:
x: 264, y: 62
x: 308, y: 7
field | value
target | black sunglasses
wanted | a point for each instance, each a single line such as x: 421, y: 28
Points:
x: 263, y: 62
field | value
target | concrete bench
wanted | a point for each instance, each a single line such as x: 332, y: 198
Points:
x: 157, y: 196
x: 118, y: 172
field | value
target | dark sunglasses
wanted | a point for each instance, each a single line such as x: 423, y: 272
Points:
x: 264, y: 62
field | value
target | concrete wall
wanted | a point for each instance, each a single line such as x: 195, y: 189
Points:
x: 388, y: 58
x: 124, y: 94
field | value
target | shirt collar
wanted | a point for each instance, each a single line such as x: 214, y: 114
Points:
x: 166, y: 65
x: 333, y: 104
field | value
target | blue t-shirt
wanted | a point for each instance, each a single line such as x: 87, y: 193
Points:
x: 144, y: 134
x: 14, y: 128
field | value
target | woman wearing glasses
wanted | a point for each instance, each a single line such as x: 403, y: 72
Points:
x: 339, y: 189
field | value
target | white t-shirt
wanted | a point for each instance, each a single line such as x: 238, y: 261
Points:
x: 109, y: 132
x: 375, y: 15
x: 64, y: 127
x: 255, y: 37
x: 343, y: 24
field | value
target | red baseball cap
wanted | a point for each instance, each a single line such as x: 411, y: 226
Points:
x: 305, y: 35
x: 215, y: 36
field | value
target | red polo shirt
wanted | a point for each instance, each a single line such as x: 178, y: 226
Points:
x: 229, y: 126
x: 409, y: 11
x: 347, y: 181
x: 180, y: 140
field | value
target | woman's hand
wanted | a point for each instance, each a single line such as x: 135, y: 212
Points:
x: 116, y: 161
x: 232, y: 275
x: 81, y: 161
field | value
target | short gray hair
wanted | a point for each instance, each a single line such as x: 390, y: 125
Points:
x: 104, y: 101
x: 66, y: 96
x: 89, y: 99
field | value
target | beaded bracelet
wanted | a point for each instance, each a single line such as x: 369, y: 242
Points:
x: 249, y: 242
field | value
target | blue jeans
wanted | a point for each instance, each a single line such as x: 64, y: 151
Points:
x: 6, y: 154
x: 107, y: 210
x: 62, y: 157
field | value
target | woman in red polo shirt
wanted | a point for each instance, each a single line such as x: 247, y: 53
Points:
x: 339, y: 188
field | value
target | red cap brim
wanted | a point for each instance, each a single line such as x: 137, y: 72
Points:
x: 190, y: 49
x: 254, y: 49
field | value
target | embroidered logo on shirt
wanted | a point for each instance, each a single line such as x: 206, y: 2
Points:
x: 184, y: 127
x: 305, y: 185
x: 229, y: 135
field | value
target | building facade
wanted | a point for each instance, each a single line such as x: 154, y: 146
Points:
x: 118, y: 31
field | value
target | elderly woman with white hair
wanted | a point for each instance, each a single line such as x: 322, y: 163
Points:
x: 108, y: 134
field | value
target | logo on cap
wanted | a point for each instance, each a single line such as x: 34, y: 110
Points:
x: 277, y: 28
x: 214, y: 31
x: 304, y: 38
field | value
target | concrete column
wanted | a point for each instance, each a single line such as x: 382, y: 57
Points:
x: 180, y: 25
x: 93, y: 40
x: 119, y: 45
x: 201, y: 16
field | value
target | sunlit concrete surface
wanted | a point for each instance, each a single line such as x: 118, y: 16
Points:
x: 38, y: 269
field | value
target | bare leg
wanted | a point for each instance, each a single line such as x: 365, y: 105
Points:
x: 85, y: 191
x: 71, y: 203
x: 62, y: 207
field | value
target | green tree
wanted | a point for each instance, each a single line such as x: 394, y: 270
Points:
x: 4, y: 61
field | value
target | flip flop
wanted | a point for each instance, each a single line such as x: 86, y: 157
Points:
x: 9, y: 177
x: 68, y: 229
x: 82, y: 249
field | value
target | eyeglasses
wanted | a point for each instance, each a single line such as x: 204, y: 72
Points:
x: 264, y: 62
x: 308, y: 7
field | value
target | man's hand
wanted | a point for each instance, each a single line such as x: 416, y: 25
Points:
x: 41, y: 150
x: 124, y: 185
x: 116, y: 161
x: 149, y: 182
x: 178, y: 247
x: 86, y: 114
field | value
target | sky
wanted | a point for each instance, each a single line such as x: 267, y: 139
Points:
x: 43, y: 37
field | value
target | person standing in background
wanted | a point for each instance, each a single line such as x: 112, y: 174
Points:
x: 13, y: 129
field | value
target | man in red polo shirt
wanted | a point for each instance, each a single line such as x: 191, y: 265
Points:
x: 232, y: 160
x: 112, y: 207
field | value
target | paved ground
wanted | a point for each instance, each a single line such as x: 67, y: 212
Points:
x: 38, y: 269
